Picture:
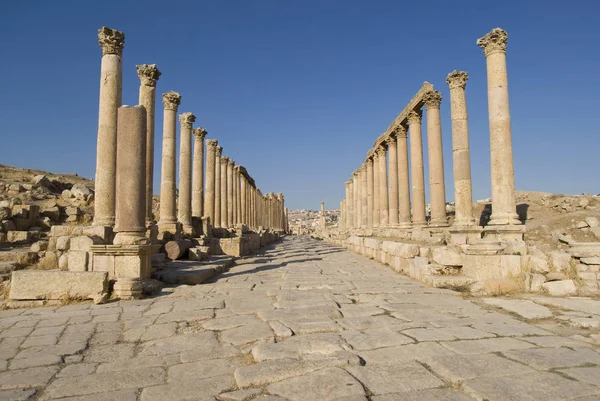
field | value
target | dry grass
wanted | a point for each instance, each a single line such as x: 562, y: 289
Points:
x: 48, y: 262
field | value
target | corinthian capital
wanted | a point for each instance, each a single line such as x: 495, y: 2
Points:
x: 380, y: 151
x: 224, y: 160
x: 457, y: 79
x: 111, y: 41
x: 148, y: 74
x: 200, y: 132
x: 212, y: 144
x: 390, y: 141
x: 414, y: 117
x: 171, y: 100
x: 494, y: 41
x: 432, y: 100
x: 219, y: 151
x: 186, y: 120
x: 400, y: 131
x: 230, y: 162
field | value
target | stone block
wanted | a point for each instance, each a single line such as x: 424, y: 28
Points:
x: 560, y: 261
x: 3, y: 237
x: 55, y: 284
x: 18, y: 236
x: 194, y: 254
x: 53, y: 213
x: 587, y: 275
x: 535, y: 264
x: 100, y: 234
x: 7, y: 225
x: 77, y: 261
x: 83, y: 243
x: 22, y: 223
x: 129, y: 261
x: 592, y: 221
x: 63, y: 242
x: 63, y: 262
x: 585, y: 249
x: 536, y: 282
x: 447, y: 257
x: 39, y: 246
x: 499, y: 286
x: 591, y: 261
x: 72, y: 211
x: 57, y: 231
x: 560, y: 288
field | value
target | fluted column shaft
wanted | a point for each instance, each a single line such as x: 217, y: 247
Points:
x: 501, y: 155
x: 376, y: 191
x: 393, y: 171
x: 417, y: 171
x: 403, y: 179
x: 230, y: 194
x: 218, y: 178
x: 185, y: 172
x: 437, y: 187
x: 198, y: 174
x: 224, y: 187
x: 168, y: 216
x: 461, y: 158
x: 244, y: 200
x: 350, y: 203
x: 364, y: 211
x: 383, y: 190
x: 356, y: 199
x: 111, y: 82
x: 369, y: 173
x: 149, y: 74
x: 211, y: 156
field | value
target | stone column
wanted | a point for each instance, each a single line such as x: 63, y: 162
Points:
x: 383, y: 189
x: 218, y: 185
x: 130, y: 211
x: 342, y: 218
x: 356, y: 199
x: 185, y: 171
x: 236, y: 193
x: 349, y: 219
x: 244, y: 200
x: 198, y: 175
x: 364, y: 211
x: 209, y: 202
x: 111, y: 81
x: 461, y: 158
x: 369, y: 163
x: 403, y: 180
x: 418, y: 175
x: 322, y: 217
x: 281, y: 212
x: 148, y: 74
x: 393, y: 171
x: 230, y: 194
x: 224, y: 187
x: 503, y: 175
x: 376, y: 191
x: 437, y: 188
x: 168, y: 218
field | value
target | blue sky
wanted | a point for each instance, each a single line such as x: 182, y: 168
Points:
x: 297, y: 91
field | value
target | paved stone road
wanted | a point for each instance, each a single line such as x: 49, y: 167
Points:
x: 300, y: 321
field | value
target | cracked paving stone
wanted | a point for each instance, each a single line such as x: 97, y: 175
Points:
x: 386, y: 379
x: 551, y: 358
x: 325, y: 384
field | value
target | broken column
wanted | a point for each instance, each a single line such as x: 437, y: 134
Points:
x: 209, y: 201
x: 168, y: 219
x: 111, y: 41
x: 198, y: 174
x: 437, y: 188
x: 417, y: 172
x: 185, y: 172
x: 149, y: 74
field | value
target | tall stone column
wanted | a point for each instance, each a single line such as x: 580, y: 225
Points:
x: 185, y: 171
x: 417, y: 172
x: 149, y: 74
x: 393, y: 171
x: 281, y: 212
x: 111, y: 82
x: 218, y: 178
x: 131, y: 177
x: 322, y: 216
x: 501, y: 155
x: 437, y: 187
x: 244, y: 200
x: 383, y: 189
x: 349, y: 204
x: 236, y: 196
x: 461, y: 157
x: 376, y: 191
x: 211, y: 156
x: 198, y: 175
x: 403, y: 179
x: 356, y: 198
x: 168, y: 217
x: 342, y: 218
x: 369, y: 163
x: 230, y: 194
x: 224, y: 188
x: 363, y: 196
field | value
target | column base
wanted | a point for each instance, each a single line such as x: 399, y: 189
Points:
x: 104, y: 221
x: 170, y: 226
x: 130, y: 238
x: 405, y: 225
x: 187, y: 228
x: 129, y: 261
x: 504, y: 219
x: 439, y: 223
x: 463, y: 235
x: 128, y: 288
x: 504, y: 233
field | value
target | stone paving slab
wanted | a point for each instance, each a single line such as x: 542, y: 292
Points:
x: 302, y: 320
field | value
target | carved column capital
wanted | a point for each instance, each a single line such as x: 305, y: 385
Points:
x: 457, y: 79
x: 201, y: 133
x: 230, y: 162
x: 212, y: 144
x: 224, y: 160
x: 187, y: 119
x: 414, y: 117
x: 148, y: 74
x: 432, y: 100
x: 111, y: 41
x: 380, y: 152
x: 493, y: 41
x: 219, y: 151
x: 391, y: 141
x: 171, y: 100
x: 400, y: 131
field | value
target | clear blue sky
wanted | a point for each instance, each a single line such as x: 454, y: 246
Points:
x: 297, y: 91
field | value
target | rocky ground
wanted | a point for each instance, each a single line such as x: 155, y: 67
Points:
x: 303, y: 320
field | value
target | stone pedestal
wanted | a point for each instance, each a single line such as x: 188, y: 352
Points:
x: 417, y: 171
x: 504, y: 233
x: 149, y: 74
x: 111, y: 82
x: 128, y: 288
x: 168, y: 218
x: 437, y: 188
x: 462, y: 235
x: 502, y: 168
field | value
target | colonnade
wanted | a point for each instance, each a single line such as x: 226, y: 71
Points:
x: 211, y: 187
x: 384, y: 193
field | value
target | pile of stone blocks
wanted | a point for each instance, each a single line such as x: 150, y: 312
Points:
x: 586, y: 258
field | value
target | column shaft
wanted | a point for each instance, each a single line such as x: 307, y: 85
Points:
x: 230, y: 194
x: 350, y: 208
x: 370, y: 207
x: 364, y: 211
x: 198, y: 174
x: 168, y: 217
x: 185, y: 172
x: 376, y: 191
x: 417, y: 172
x: 224, y: 162
x: 403, y: 179
x: 437, y: 187
x: 393, y: 171
x: 211, y: 156
x: 383, y: 190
